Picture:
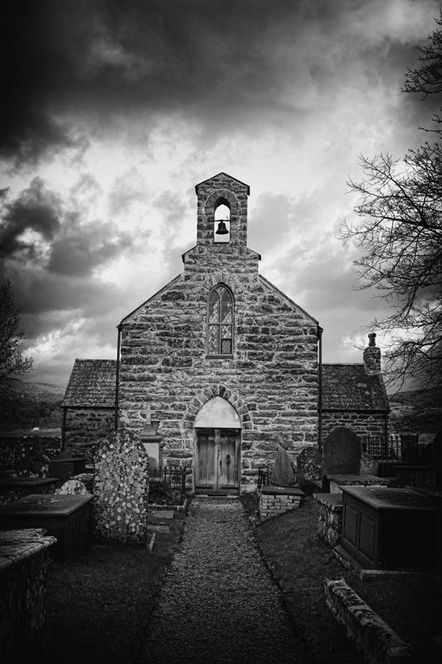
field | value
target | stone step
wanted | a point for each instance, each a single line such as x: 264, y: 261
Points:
x: 161, y: 514
x: 154, y: 528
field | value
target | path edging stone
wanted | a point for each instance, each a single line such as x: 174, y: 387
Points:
x: 373, y: 637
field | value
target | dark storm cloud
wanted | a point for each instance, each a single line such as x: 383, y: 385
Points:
x: 221, y: 63
x: 36, y: 209
x: 61, y: 243
x: 78, y: 249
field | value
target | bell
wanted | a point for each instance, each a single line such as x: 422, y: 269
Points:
x: 221, y: 230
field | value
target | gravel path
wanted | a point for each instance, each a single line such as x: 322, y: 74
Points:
x: 219, y: 604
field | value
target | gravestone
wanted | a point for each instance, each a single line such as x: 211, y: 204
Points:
x: 72, y: 488
x: 436, y: 451
x: 309, y: 464
x: 282, y: 472
x: 342, y: 452
x: 436, y: 460
x: 121, y: 488
x: 409, y: 448
x: 309, y: 469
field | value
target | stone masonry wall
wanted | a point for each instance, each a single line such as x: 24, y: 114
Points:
x: 359, y: 422
x: 272, y: 378
x: 84, y: 426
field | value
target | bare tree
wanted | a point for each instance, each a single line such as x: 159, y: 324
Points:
x: 427, y: 79
x: 12, y: 360
x: 400, y: 234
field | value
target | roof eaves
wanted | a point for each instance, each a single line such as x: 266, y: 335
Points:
x: 150, y: 299
x: 286, y: 297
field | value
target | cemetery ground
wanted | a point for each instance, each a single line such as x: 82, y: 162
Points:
x: 411, y: 604
x: 100, y: 605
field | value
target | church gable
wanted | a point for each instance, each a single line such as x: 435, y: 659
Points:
x: 282, y: 302
x: 222, y: 180
x: 224, y: 329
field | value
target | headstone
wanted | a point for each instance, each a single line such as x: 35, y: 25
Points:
x: 121, y: 488
x: 282, y: 473
x: 72, y: 488
x: 309, y: 464
x: 342, y: 452
x: 409, y: 448
x: 436, y: 451
x: 436, y: 459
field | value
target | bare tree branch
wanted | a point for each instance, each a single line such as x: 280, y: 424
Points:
x: 12, y: 360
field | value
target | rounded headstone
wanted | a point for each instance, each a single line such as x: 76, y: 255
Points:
x: 309, y: 463
x: 342, y: 452
x: 437, y: 451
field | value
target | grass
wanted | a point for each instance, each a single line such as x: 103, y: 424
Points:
x: 99, y: 605
x: 300, y: 561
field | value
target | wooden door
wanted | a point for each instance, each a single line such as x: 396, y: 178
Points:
x: 216, y: 463
x: 205, y: 460
x: 227, y: 460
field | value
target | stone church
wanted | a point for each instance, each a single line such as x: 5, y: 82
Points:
x: 219, y: 365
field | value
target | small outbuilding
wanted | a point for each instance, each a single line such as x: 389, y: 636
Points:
x: 89, y: 403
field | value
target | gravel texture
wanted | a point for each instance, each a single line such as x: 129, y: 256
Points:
x: 219, y: 603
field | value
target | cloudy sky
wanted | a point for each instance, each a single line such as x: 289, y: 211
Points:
x: 114, y: 110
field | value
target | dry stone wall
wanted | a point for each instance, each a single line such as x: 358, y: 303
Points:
x: 362, y: 423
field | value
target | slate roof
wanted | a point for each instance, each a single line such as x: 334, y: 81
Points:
x: 92, y: 384
x: 220, y: 175
x: 348, y: 387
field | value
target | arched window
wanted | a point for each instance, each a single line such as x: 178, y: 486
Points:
x: 220, y: 322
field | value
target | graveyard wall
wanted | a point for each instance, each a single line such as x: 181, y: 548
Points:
x: 271, y: 379
x: 84, y: 426
x: 361, y: 422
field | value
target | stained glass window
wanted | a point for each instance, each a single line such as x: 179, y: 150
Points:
x: 220, y: 322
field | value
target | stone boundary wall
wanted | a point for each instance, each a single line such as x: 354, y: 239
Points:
x: 273, y: 504
x: 378, y: 643
x: 329, y: 517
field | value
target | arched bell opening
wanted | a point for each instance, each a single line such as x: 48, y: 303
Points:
x: 221, y: 222
x: 217, y: 445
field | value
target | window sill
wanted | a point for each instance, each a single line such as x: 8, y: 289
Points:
x: 219, y: 357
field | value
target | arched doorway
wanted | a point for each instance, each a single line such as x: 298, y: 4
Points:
x: 217, y: 448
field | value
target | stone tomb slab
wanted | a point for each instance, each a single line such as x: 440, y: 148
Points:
x: 23, y: 577
x: 162, y: 514
x: 66, y: 517
x: 389, y: 528
x: 342, y: 452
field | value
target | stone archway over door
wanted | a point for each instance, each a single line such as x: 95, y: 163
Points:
x: 217, y: 448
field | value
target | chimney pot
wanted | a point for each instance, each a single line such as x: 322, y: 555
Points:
x: 372, y: 356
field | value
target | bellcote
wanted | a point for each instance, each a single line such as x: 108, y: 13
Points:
x: 222, y: 192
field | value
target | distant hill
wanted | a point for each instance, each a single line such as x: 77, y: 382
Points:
x: 28, y: 405
x: 417, y: 411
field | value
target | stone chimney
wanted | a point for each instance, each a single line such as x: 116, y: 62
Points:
x: 372, y: 356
